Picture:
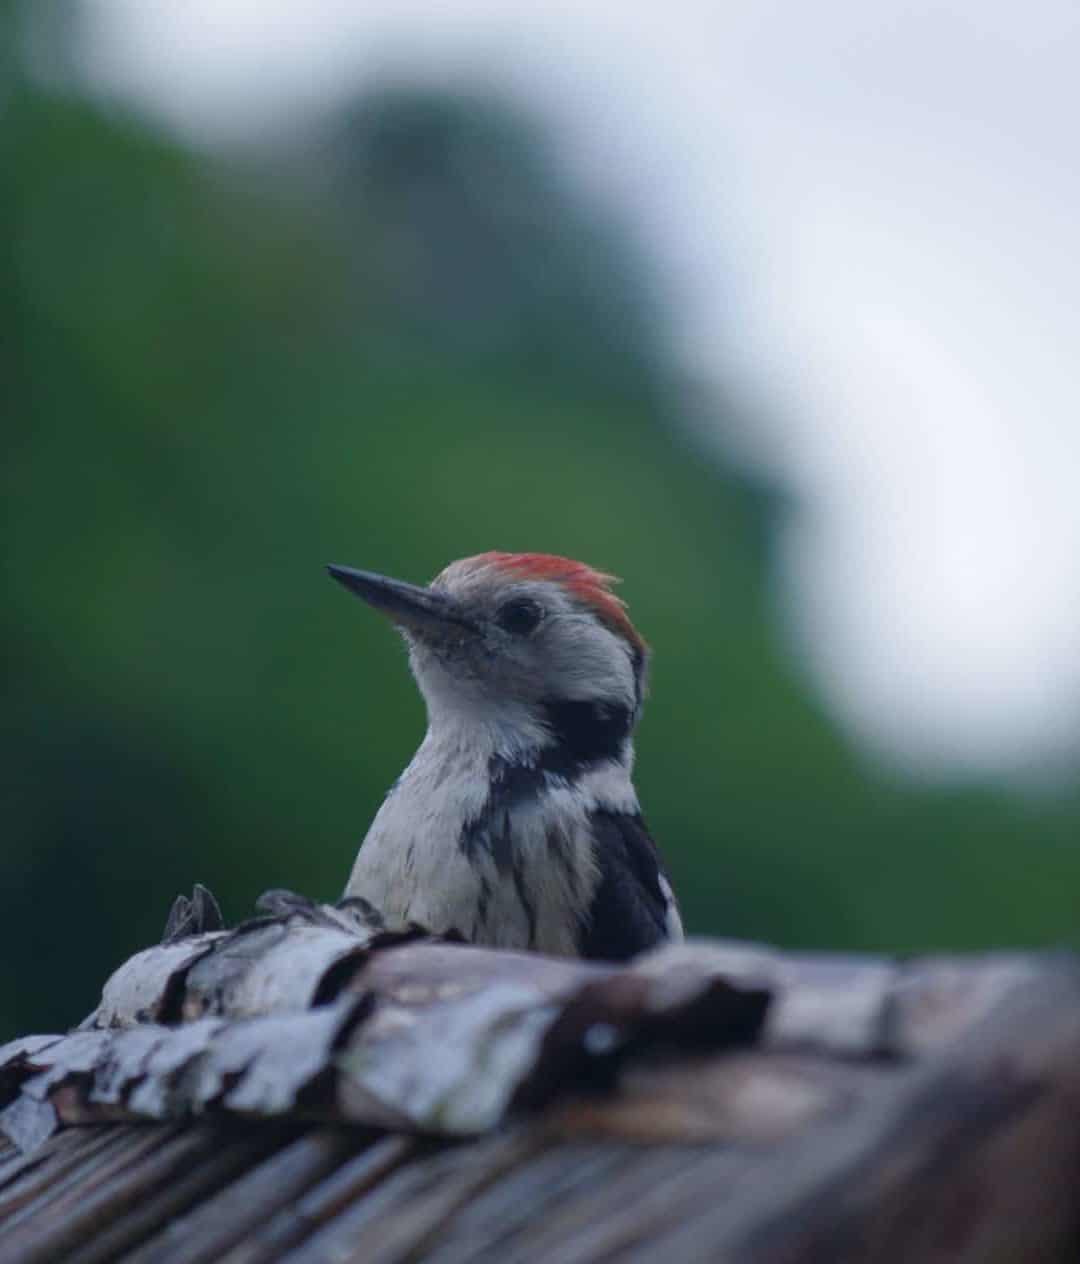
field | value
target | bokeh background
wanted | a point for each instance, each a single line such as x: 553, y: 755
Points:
x: 770, y: 309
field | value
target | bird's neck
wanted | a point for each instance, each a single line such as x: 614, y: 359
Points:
x: 477, y: 795
x: 563, y: 738
x: 483, y: 777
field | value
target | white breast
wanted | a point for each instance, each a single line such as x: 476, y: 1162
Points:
x: 413, y: 868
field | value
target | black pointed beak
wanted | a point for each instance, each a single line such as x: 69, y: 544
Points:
x: 408, y: 605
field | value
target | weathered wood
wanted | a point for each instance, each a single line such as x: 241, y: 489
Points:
x: 536, y: 1026
x: 600, y: 1209
x: 398, y: 1222
x: 541, y: 1028
x: 149, y: 987
x: 54, y: 1199
x: 130, y: 1216
x: 298, y: 1220
x: 68, y: 1152
x: 62, y: 1218
x: 223, y: 1219
x: 524, y: 1196
x: 709, y: 1101
x: 938, y: 1161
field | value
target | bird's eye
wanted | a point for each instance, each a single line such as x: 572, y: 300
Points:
x: 519, y: 616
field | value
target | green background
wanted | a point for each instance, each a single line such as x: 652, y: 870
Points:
x: 403, y: 339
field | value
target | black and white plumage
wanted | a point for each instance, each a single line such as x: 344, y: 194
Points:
x: 516, y: 824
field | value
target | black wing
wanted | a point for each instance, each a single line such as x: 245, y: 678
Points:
x: 632, y: 905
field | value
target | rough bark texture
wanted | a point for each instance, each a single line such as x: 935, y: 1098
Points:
x: 306, y: 1073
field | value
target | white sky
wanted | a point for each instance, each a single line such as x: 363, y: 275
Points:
x: 868, y: 215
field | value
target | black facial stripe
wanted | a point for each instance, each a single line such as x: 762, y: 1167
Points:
x: 585, y: 735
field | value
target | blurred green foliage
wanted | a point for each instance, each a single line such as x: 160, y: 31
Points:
x: 407, y: 341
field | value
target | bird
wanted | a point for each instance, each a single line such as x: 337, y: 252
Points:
x: 516, y: 824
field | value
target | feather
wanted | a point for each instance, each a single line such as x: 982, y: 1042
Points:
x: 633, y: 908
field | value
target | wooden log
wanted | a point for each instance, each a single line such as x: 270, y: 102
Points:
x: 782, y: 1107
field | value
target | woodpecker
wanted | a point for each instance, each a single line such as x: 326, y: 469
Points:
x: 516, y: 824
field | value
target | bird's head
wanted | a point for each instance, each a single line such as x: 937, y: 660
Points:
x: 516, y: 639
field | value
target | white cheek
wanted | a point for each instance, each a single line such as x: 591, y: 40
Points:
x: 592, y: 663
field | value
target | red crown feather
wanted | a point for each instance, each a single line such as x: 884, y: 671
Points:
x: 591, y: 587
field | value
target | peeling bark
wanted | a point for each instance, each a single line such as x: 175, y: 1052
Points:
x: 785, y: 1107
